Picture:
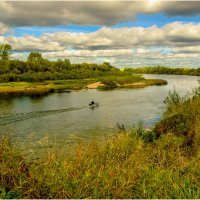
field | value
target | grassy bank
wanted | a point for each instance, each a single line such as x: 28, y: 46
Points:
x: 42, y: 88
x: 46, y: 87
x: 159, y: 163
x: 131, y: 81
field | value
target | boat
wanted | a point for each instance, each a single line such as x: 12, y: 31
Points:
x: 93, y: 104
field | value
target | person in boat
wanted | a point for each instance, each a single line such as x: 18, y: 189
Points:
x: 91, y: 103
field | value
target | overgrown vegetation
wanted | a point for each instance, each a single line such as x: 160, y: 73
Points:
x: 182, y: 117
x: 111, y: 82
x: 40, y: 76
x: 164, y: 70
x: 129, y: 81
x: 40, y: 69
x: 159, y: 163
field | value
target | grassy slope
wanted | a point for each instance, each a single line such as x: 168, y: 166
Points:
x: 163, y: 163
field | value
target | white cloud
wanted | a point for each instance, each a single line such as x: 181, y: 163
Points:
x: 176, y: 42
x: 186, y: 50
x: 173, y: 35
x: 30, y: 43
x: 47, y: 13
x: 77, y: 12
x: 3, y: 28
x: 89, y: 53
x: 121, y: 58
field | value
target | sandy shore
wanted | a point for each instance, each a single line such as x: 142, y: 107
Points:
x: 94, y: 85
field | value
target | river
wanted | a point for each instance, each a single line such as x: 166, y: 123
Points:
x: 66, y: 117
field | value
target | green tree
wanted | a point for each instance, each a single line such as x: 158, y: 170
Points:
x: 35, y: 56
x: 5, y: 51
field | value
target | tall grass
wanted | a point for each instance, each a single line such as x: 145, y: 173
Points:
x: 182, y: 116
x: 124, y: 167
x: 122, y: 79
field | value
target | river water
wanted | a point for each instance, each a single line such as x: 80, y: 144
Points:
x: 66, y: 117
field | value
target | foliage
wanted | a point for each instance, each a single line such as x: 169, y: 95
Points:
x: 35, y: 56
x: 5, y: 50
x: 108, y: 84
x: 146, y: 135
x: 122, y: 79
x: 128, y: 81
x: 164, y: 70
x: 157, y: 82
x: 121, y: 127
x: 37, y: 69
x: 182, y: 117
x: 171, y: 101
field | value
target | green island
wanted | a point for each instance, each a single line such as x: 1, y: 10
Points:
x: 160, y: 163
x: 37, y: 75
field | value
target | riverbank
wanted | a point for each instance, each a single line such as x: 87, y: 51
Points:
x: 159, y: 163
x: 42, y: 88
x: 77, y: 84
x: 139, y: 84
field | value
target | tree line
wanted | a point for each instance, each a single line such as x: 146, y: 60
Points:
x: 164, y: 70
x: 36, y: 68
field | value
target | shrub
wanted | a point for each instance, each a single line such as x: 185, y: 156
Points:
x: 108, y: 84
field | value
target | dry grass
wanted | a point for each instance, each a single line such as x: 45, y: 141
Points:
x: 124, y: 167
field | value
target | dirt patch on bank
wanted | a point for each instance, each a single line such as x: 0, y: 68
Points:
x: 94, y: 85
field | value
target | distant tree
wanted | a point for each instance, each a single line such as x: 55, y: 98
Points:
x: 107, y: 64
x: 5, y: 51
x: 35, y: 56
x: 67, y: 62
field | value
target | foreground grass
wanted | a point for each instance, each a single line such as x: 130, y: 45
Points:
x: 159, y: 163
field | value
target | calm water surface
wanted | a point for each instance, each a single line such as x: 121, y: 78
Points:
x: 65, y: 117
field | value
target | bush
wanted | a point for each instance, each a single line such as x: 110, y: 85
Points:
x: 108, y: 84
x: 146, y: 135
x: 181, y: 118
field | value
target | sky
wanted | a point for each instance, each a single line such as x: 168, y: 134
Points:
x: 124, y: 33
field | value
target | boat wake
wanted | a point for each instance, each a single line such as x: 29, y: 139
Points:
x: 4, y: 120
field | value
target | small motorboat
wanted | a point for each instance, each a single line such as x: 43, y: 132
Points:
x: 92, y: 104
